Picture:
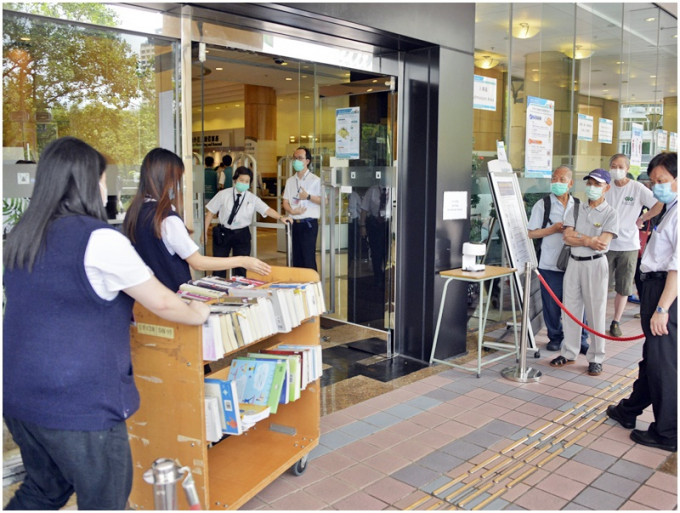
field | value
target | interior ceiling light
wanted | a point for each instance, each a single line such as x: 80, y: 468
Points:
x: 486, y: 62
x: 524, y: 30
x: 578, y: 52
x: 650, y: 19
x: 219, y: 69
x: 24, y: 38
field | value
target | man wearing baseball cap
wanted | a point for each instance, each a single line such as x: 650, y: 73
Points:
x: 587, y: 276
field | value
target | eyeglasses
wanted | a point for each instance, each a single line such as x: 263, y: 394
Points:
x: 299, y: 158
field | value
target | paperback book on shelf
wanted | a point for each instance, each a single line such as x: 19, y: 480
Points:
x: 258, y: 381
x: 225, y: 392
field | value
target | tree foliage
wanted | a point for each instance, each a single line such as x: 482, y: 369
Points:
x: 90, y: 81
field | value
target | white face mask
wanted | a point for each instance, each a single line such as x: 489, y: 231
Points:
x: 104, y: 192
x: 617, y: 174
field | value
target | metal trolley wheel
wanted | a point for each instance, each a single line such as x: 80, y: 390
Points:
x: 300, y: 466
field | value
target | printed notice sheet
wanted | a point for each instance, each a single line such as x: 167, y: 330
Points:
x: 605, y: 131
x: 484, y: 93
x: 585, y: 127
x: 539, y: 137
x: 455, y: 205
x: 635, y: 148
x: 347, y: 134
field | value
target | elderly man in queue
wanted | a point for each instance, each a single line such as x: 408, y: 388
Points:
x: 628, y: 197
x: 587, y: 276
x: 658, y: 370
x: 546, y: 224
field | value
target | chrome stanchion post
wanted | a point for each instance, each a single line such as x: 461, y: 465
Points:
x: 521, y: 373
x: 163, y: 475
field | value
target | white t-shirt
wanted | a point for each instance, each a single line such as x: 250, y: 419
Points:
x: 628, y: 202
x: 112, y: 264
x: 310, y: 183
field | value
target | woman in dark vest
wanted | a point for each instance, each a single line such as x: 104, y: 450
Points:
x: 70, y: 283
x: 157, y: 231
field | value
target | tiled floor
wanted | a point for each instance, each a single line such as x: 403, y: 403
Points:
x: 453, y: 441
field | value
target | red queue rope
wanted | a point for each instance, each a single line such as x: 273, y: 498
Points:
x: 578, y: 321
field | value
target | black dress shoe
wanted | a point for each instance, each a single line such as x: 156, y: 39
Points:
x: 614, y: 414
x: 646, y: 438
x: 553, y: 346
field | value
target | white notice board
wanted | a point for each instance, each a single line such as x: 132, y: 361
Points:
x: 512, y: 218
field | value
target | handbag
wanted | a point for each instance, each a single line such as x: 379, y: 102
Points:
x: 563, y: 259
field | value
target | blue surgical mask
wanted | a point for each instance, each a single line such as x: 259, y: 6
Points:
x: 663, y: 192
x: 559, y: 188
x: 298, y: 165
x: 593, y: 192
x: 241, y: 187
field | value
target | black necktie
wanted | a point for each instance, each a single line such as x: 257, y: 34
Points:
x: 234, y: 209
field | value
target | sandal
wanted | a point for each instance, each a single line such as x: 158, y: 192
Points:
x: 560, y: 361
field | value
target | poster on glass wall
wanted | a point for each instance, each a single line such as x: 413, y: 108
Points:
x: 605, y: 131
x: 585, y: 128
x: 635, y: 149
x: 661, y: 140
x: 484, y: 93
x: 673, y: 142
x: 347, y: 135
x: 538, y: 148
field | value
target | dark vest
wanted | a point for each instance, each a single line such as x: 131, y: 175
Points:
x: 66, y: 351
x: 171, y: 270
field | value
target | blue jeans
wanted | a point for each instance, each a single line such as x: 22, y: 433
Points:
x: 96, y: 465
x: 552, y: 314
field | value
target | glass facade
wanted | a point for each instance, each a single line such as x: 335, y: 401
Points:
x: 598, y: 69
x: 113, y: 89
x: 109, y: 75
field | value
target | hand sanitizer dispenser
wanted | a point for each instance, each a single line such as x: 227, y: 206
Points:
x: 470, y: 253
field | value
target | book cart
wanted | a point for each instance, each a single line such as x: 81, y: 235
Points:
x: 169, y: 372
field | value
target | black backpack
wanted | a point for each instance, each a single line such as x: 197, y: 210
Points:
x: 546, y: 221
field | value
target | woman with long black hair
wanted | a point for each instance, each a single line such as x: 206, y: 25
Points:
x: 68, y: 387
x: 157, y: 231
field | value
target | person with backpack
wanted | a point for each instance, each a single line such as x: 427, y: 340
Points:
x: 545, y: 224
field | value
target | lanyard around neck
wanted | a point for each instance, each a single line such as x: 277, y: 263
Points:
x: 298, y: 180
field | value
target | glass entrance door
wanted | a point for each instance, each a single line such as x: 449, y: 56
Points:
x: 357, y: 222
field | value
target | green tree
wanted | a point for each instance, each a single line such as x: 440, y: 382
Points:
x: 73, y: 73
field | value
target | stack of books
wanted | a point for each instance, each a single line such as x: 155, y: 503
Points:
x: 244, y: 311
x: 256, y: 385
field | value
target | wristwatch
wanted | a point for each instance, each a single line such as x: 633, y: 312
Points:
x: 661, y: 310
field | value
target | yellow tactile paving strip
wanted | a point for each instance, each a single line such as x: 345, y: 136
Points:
x: 513, y: 464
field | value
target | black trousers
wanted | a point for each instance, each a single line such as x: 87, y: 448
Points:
x: 226, y: 241
x: 95, y: 465
x: 658, y: 375
x: 304, y: 242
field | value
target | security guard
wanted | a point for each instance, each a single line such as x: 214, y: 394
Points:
x: 235, y: 208
x: 587, y: 274
x: 302, y: 200
x: 658, y: 372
